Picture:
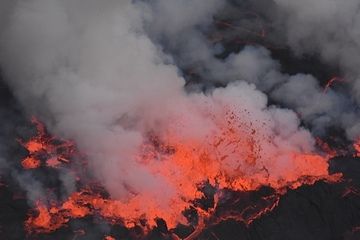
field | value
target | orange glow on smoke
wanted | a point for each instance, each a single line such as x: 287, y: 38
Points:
x: 232, y: 158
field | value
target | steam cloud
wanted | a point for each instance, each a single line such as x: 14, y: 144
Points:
x: 107, y: 73
x: 328, y: 29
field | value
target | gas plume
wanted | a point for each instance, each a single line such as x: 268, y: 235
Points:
x: 109, y: 76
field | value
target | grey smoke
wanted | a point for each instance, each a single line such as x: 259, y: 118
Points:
x: 328, y: 29
x: 106, y: 73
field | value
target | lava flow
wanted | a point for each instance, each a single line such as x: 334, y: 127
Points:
x: 46, y: 150
x: 231, y: 159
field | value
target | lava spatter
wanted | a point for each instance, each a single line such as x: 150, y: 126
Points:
x: 185, y: 166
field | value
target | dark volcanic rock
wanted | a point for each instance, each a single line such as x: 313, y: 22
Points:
x: 322, y: 211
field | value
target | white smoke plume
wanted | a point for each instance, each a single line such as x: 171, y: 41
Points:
x: 97, y: 72
x: 327, y: 29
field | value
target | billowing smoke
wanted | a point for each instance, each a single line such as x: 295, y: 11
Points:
x: 109, y: 74
x: 327, y: 30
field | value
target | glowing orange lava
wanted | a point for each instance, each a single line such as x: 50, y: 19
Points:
x: 109, y: 238
x: 43, y: 146
x: 87, y: 202
x: 44, y: 220
x: 30, y: 163
x: 236, y: 157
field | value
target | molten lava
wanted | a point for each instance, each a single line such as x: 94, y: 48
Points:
x: 43, y: 146
x: 356, y: 146
x: 44, y: 220
x: 233, y: 158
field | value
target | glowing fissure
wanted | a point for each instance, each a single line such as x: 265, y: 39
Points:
x: 331, y: 82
